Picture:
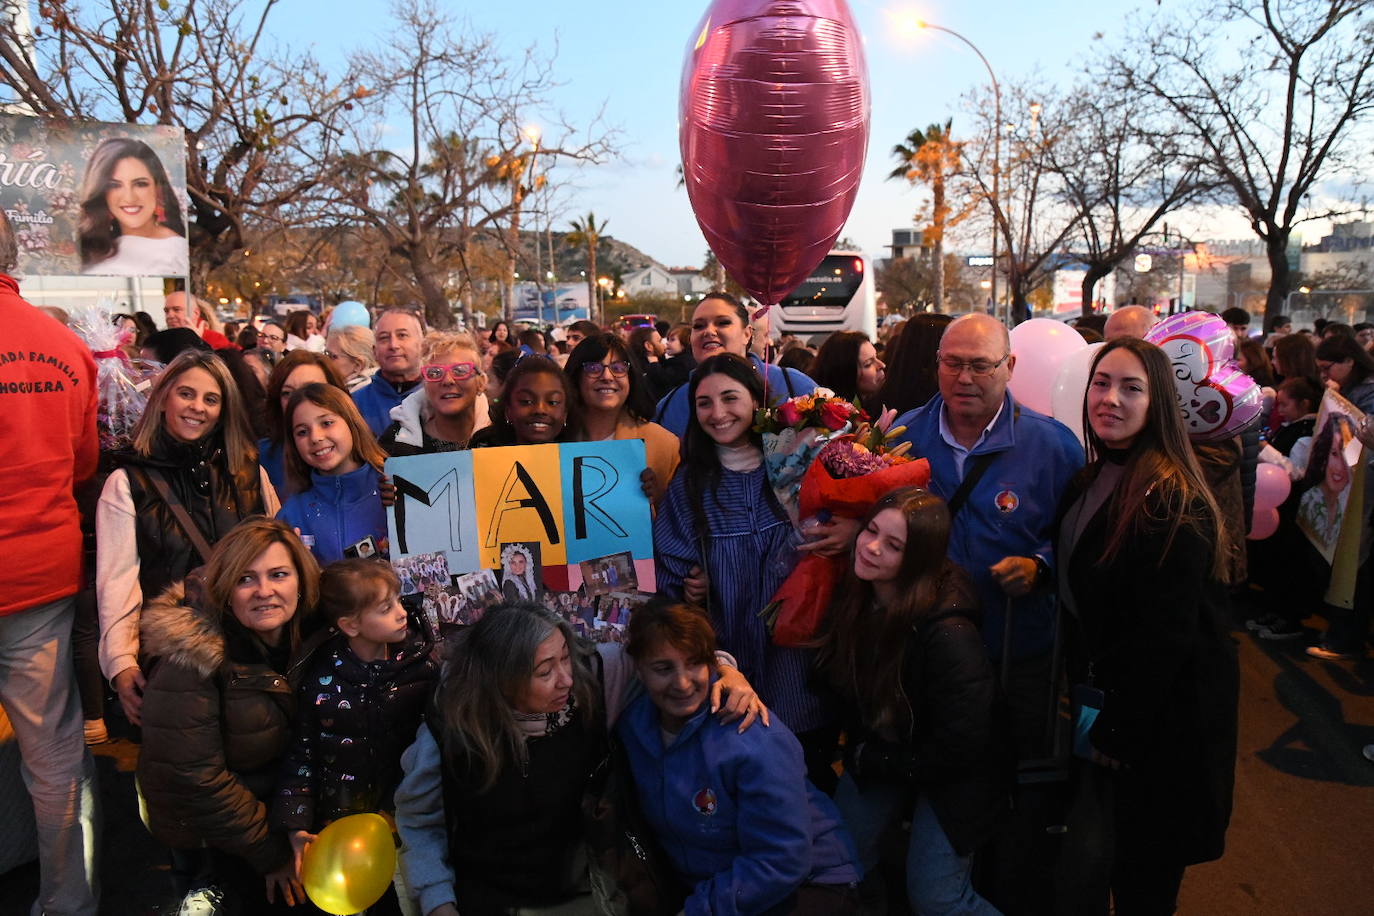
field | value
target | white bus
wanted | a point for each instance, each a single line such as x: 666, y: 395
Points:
x: 837, y: 296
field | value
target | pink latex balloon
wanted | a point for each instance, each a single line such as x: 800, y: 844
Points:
x: 1040, y: 345
x: 774, y: 112
x: 1264, y: 523
x: 1216, y: 398
x: 1070, y: 385
x: 1271, y: 486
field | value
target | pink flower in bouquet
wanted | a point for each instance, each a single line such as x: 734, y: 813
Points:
x: 788, y: 413
x: 844, y: 458
x: 835, y: 414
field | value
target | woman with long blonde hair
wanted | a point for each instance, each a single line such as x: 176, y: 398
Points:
x: 191, y: 475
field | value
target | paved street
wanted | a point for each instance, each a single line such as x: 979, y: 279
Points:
x: 1300, y: 841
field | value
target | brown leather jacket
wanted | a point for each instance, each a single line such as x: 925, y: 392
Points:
x: 216, y: 723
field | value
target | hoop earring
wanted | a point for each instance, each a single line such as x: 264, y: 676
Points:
x: 160, y: 214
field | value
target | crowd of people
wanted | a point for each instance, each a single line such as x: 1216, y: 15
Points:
x: 277, y: 681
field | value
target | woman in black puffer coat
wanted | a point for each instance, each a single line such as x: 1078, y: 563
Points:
x: 218, y: 712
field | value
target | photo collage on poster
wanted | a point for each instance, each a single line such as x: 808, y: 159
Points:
x: 599, y: 608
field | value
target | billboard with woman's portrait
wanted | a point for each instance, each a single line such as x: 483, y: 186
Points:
x: 93, y: 198
x: 1330, y: 509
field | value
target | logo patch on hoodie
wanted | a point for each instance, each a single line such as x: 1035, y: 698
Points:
x: 705, y: 802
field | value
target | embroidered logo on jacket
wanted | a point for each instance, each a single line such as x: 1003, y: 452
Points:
x: 1007, y: 502
x: 705, y: 802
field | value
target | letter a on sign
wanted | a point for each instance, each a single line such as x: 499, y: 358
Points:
x: 519, y: 498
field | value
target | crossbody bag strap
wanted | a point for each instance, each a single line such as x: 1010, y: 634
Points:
x: 974, y: 473
x: 179, y: 512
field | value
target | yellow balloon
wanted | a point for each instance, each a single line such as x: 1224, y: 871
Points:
x: 350, y: 865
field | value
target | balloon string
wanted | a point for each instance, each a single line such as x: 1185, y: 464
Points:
x: 761, y: 314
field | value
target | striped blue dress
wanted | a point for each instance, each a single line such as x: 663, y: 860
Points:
x: 748, y: 553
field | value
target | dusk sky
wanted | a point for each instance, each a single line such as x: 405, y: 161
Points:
x: 628, y: 56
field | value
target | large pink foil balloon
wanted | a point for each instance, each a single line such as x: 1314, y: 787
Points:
x: 773, y: 129
x: 1216, y: 398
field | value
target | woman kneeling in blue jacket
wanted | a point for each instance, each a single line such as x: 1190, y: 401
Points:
x: 734, y: 812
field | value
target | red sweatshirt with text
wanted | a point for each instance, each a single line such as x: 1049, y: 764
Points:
x: 48, y: 444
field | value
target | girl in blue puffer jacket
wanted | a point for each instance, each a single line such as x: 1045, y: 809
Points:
x: 335, y: 468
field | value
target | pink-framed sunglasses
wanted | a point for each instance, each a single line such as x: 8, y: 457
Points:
x: 461, y: 372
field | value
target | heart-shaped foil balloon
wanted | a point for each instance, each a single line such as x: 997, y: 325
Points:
x: 773, y: 127
x: 1216, y: 398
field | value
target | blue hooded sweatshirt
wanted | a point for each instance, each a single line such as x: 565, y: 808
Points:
x: 337, y: 511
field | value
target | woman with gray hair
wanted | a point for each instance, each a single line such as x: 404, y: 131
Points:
x: 351, y: 349
x: 489, y: 810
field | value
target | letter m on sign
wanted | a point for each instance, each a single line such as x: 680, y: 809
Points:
x: 444, y: 495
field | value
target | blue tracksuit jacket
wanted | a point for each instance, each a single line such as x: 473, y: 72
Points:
x: 375, y: 400
x: 1010, y: 513
x: 735, y: 813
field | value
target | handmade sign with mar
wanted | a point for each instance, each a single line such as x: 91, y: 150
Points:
x: 577, y: 500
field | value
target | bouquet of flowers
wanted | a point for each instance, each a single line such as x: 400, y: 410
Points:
x: 121, y: 384
x: 849, y: 474
x: 794, y: 432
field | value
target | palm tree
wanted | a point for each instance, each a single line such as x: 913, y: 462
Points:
x: 929, y: 156
x: 587, y: 234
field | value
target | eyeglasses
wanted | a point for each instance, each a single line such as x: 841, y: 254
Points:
x: 978, y: 368
x: 272, y: 337
x: 461, y: 372
x: 595, y: 370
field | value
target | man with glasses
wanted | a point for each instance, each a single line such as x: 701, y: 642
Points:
x: 1003, y: 468
x: 398, y: 335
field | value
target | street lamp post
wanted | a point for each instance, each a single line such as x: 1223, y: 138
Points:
x: 1288, y: 300
x: 996, y: 146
